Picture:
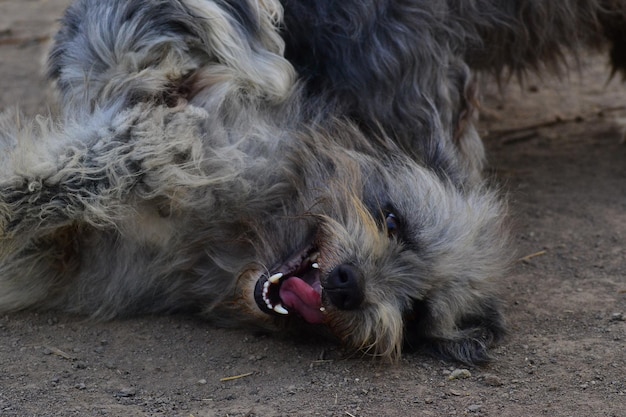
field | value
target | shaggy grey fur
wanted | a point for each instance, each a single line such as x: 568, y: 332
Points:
x: 187, y: 172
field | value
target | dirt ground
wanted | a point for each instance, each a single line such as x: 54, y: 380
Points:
x: 557, y: 150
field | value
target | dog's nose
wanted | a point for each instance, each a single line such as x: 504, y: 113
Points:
x: 344, y: 287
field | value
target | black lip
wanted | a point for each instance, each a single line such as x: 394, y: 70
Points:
x: 258, y: 295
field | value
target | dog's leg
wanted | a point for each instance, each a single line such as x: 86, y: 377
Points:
x: 208, y: 52
x: 94, y: 172
x: 467, y: 339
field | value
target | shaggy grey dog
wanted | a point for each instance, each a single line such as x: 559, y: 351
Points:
x: 189, y: 173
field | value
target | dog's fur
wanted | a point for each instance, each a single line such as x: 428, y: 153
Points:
x: 190, y: 167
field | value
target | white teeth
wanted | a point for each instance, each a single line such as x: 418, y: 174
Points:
x: 322, y: 309
x: 280, y: 309
x: 315, y: 265
x: 275, y: 278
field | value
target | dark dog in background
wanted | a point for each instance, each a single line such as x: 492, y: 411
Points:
x: 191, y: 171
x: 406, y: 67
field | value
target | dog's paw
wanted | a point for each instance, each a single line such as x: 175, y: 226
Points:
x: 470, y: 347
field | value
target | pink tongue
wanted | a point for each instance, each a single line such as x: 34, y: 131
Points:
x: 299, y: 296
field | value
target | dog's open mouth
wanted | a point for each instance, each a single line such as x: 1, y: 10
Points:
x: 293, y: 288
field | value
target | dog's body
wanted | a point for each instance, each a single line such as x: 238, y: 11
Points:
x: 192, y: 172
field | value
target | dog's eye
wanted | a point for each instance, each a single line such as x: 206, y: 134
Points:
x: 391, y: 221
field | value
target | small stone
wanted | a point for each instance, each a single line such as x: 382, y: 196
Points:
x: 428, y: 400
x: 617, y: 317
x: 202, y: 381
x: 474, y: 408
x: 80, y: 365
x: 492, y: 380
x: 80, y: 386
x: 459, y: 374
x: 126, y: 392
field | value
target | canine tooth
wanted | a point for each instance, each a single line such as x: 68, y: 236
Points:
x: 322, y: 309
x: 280, y: 309
x: 315, y: 265
x: 275, y: 278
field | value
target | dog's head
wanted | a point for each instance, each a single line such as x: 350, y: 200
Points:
x: 385, y: 254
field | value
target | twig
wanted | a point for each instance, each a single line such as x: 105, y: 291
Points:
x: 532, y: 255
x: 520, y: 134
x: 59, y: 352
x: 24, y: 41
x: 231, y: 378
x: 319, y: 361
x: 520, y: 137
x: 531, y: 127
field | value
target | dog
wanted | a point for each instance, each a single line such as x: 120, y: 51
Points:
x: 409, y: 68
x: 191, y: 172
x: 205, y: 162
